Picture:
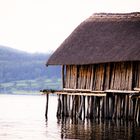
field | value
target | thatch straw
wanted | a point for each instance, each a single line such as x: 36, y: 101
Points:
x: 101, y: 38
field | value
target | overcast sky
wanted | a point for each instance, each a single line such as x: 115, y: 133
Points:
x: 42, y: 25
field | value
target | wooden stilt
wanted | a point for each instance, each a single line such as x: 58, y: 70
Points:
x: 84, y: 108
x: 115, y: 107
x: 47, y: 102
x: 88, y: 106
x: 79, y: 114
x: 59, y: 107
x: 92, y: 107
x: 62, y: 109
x: 107, y: 107
x: 136, y: 109
x: 126, y: 106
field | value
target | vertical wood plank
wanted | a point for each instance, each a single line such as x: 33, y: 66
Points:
x: 63, y: 77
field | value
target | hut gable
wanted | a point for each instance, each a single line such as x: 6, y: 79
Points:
x: 99, y: 39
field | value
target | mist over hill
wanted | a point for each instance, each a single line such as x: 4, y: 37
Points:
x: 17, y: 65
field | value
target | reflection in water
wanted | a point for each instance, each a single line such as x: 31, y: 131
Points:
x: 22, y: 118
x: 98, y: 129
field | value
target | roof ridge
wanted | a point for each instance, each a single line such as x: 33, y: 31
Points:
x: 114, y: 16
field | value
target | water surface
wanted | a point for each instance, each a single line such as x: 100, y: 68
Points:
x: 22, y: 118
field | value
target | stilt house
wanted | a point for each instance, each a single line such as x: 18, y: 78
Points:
x: 101, y: 68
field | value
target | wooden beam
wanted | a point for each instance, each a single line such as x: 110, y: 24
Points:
x: 137, y: 89
x: 83, y: 90
x: 71, y: 91
x: 87, y: 92
x: 121, y: 91
x: 83, y: 94
x: 78, y: 94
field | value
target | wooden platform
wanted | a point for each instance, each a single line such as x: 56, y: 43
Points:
x: 84, y: 103
x: 86, y: 92
x: 79, y: 92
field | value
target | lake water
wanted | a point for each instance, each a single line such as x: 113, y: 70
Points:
x: 22, y: 118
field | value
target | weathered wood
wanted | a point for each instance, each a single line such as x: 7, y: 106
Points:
x: 47, y: 102
x: 63, y: 76
x: 119, y: 107
x: 92, y: 108
x: 115, y: 106
x: 88, y: 106
x: 75, y: 92
x: 111, y: 105
x: 104, y: 103
x: 137, y: 89
x: 72, y: 108
x: 68, y: 105
x: 80, y: 94
x: 112, y: 90
x: 82, y: 90
x: 123, y: 107
x: 92, y: 76
x: 84, y: 108
x: 121, y: 91
x: 107, y: 76
x: 63, y: 105
x: 59, y: 107
x: 102, y: 107
x: 126, y: 106
x: 76, y: 77
x: 107, y: 107
x: 136, y: 109
x: 79, y: 114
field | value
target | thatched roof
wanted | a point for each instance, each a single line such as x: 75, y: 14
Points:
x: 99, y: 39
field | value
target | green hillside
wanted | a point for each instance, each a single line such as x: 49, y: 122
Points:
x: 21, y: 71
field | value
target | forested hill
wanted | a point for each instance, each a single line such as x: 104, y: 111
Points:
x: 17, y: 65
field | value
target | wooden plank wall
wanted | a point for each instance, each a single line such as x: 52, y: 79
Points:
x: 121, y: 76
x: 115, y: 76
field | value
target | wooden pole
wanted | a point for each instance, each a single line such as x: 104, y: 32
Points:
x: 80, y: 108
x: 59, y: 107
x: 62, y: 111
x: 88, y: 106
x: 84, y: 110
x: 136, y: 109
x: 47, y: 102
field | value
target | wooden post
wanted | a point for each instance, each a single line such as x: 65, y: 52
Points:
x: 104, y: 102
x: 80, y: 108
x: 47, y: 101
x: 73, y: 106
x: 68, y: 105
x: 62, y: 101
x: 136, y: 109
x: 107, y: 106
x: 126, y: 106
x: 93, y: 107
x: 115, y: 107
x: 59, y: 107
x: 84, y: 111
x: 88, y: 106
